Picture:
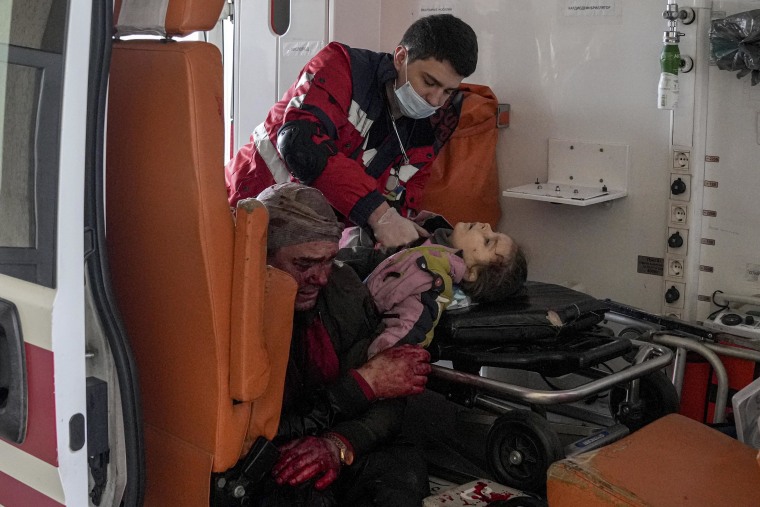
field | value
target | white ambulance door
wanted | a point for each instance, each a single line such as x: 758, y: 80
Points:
x: 273, y: 41
x: 44, y: 60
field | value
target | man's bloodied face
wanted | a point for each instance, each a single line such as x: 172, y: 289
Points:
x: 310, y: 264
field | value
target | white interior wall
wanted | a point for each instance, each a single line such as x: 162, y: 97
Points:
x: 355, y: 22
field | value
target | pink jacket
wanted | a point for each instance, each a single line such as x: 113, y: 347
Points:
x: 411, y: 289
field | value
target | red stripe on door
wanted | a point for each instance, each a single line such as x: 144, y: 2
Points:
x: 41, y: 428
x: 14, y: 493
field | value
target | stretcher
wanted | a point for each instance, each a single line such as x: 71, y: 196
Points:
x: 557, y: 333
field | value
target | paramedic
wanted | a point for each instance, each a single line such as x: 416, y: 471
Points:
x: 364, y: 127
x: 341, y: 414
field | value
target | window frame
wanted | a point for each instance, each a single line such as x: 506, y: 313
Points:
x: 37, y: 263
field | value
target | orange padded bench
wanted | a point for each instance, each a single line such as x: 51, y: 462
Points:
x: 674, y: 461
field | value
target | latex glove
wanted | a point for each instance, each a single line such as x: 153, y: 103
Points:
x: 397, y: 371
x: 306, y: 458
x: 392, y: 230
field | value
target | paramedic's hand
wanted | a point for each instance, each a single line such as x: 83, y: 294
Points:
x: 391, y: 229
x: 306, y: 458
x: 397, y: 371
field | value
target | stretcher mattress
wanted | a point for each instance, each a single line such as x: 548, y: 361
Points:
x: 548, y: 328
x: 542, y: 311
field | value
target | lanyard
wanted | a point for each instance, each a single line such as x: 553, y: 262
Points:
x: 401, y: 145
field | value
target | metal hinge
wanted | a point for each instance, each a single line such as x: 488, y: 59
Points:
x: 228, y: 11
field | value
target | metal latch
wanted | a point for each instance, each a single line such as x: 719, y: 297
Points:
x: 502, y: 116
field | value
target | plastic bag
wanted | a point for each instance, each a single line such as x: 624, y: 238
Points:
x: 735, y: 44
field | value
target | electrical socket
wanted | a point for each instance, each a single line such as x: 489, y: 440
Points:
x: 679, y: 214
x: 675, y: 292
x: 673, y: 314
x: 682, y: 188
x: 681, y: 159
x: 684, y: 234
x: 675, y: 267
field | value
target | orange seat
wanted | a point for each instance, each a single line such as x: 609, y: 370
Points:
x: 465, y: 171
x: 192, y: 285
x: 674, y: 461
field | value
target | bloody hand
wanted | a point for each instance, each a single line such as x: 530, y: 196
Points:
x: 306, y: 458
x: 397, y: 371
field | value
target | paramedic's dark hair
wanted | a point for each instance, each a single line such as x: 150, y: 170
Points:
x: 498, y: 281
x: 445, y: 38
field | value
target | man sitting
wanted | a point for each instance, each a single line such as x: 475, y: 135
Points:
x: 341, y: 414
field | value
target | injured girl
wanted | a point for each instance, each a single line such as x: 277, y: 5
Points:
x: 414, y: 286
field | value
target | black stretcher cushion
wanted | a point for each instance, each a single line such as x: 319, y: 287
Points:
x: 570, y: 355
x: 521, y: 318
x: 519, y: 334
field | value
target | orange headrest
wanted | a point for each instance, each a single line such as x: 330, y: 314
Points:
x: 181, y: 17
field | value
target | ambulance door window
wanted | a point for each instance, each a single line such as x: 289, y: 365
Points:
x: 31, y: 59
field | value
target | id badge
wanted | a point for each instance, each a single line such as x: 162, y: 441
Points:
x: 393, y: 181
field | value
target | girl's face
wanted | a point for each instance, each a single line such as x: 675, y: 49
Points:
x: 480, y: 246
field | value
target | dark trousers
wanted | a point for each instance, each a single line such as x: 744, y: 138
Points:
x: 392, y: 476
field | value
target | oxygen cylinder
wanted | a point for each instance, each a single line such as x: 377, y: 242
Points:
x: 670, y: 61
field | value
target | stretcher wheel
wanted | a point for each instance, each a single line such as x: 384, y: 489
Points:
x: 657, y: 397
x: 521, y: 446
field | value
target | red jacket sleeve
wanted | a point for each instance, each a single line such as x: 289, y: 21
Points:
x: 323, y: 95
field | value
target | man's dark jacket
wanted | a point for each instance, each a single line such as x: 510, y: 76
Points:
x: 345, y: 309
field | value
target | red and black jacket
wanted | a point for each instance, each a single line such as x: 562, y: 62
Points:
x: 342, y: 93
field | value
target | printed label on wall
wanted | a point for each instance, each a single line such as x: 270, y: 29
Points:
x: 650, y: 265
x: 307, y: 48
x: 753, y: 272
x: 591, y: 8
x: 427, y: 9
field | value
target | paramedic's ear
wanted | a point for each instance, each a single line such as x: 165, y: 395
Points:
x: 399, y: 57
x: 471, y: 274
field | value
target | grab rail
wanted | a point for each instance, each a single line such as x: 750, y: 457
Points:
x: 721, y: 395
x: 655, y: 358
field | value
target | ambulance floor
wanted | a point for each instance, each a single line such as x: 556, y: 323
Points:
x: 453, y: 438
x: 453, y: 446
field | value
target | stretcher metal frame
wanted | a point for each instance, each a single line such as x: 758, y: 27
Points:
x: 651, y: 351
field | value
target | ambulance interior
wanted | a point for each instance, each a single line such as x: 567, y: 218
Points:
x: 646, y: 208
x: 577, y: 110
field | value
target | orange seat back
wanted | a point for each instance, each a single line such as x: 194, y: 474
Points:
x: 192, y: 286
x: 464, y: 179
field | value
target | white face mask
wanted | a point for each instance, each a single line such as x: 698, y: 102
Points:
x: 410, y: 102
